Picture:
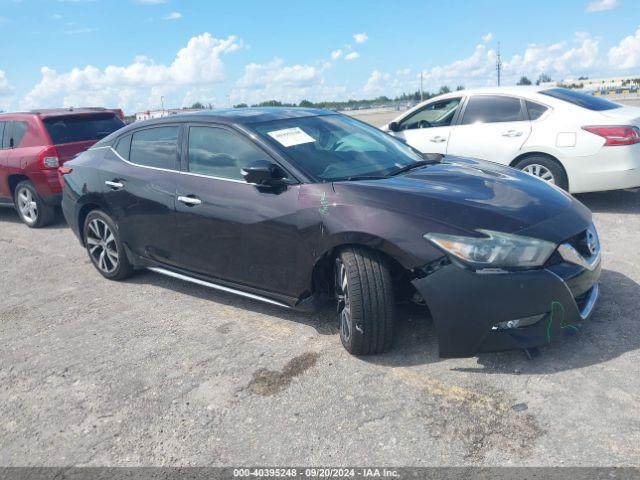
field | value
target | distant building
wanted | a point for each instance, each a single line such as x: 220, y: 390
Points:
x: 605, y: 86
x: 148, y: 114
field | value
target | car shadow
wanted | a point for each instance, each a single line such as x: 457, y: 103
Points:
x: 9, y: 215
x: 617, y: 201
x: 415, y: 339
x: 323, y: 320
x: 612, y: 331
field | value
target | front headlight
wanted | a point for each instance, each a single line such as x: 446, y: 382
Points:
x: 495, y: 250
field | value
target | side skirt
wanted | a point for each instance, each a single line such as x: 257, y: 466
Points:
x: 216, y: 286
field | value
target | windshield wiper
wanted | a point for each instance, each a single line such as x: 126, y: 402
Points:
x: 364, y: 177
x: 412, y: 166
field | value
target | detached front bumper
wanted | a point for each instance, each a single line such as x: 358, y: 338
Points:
x: 467, y: 306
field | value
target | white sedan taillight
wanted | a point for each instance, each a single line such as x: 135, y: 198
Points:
x: 616, y: 135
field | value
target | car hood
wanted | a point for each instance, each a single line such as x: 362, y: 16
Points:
x: 465, y: 195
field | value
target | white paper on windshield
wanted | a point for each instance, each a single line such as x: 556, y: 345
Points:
x: 289, y: 137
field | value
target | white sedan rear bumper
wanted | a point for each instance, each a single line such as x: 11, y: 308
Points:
x: 612, y: 168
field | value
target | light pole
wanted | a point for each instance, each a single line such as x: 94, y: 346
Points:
x: 162, y: 103
x: 421, y: 96
x: 499, y: 64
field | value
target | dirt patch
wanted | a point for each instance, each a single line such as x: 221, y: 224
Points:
x: 269, y: 382
x: 224, y: 328
x: 483, y: 422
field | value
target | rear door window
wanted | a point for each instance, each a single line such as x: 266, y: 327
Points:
x: 19, y: 130
x: 581, y: 99
x: 492, y: 109
x: 124, y: 146
x: 155, y: 147
x: 535, y: 110
x: 81, y: 128
x: 6, y: 139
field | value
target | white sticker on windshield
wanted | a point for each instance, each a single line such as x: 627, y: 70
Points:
x: 291, y: 136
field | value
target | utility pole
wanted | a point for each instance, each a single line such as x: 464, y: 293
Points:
x: 499, y: 64
x: 421, y: 95
x: 162, y: 103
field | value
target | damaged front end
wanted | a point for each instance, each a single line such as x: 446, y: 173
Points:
x: 491, y: 309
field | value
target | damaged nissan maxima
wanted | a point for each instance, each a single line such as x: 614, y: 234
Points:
x: 298, y: 207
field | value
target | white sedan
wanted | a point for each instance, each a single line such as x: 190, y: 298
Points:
x: 577, y: 141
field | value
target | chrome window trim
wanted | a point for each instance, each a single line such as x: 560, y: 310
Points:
x: 169, y: 170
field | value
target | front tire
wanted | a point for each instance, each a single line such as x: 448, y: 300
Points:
x: 31, y: 208
x: 105, y: 249
x: 546, y: 169
x: 365, y: 301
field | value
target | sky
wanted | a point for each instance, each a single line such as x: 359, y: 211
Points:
x: 137, y: 54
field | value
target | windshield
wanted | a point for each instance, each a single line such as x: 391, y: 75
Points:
x: 336, y: 147
x: 80, y: 128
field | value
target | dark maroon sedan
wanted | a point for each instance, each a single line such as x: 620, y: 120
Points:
x: 293, y: 206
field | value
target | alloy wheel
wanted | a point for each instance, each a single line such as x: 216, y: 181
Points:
x: 102, y: 246
x: 540, y: 171
x: 27, y: 206
x: 343, y: 301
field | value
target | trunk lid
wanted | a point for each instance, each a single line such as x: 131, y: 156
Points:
x: 623, y: 116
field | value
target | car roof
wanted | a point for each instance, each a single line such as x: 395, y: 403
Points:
x: 240, y: 115
x: 226, y: 116
x: 60, y: 112
x: 522, y: 90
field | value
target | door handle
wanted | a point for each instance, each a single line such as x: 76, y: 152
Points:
x: 438, y: 139
x: 114, y: 185
x: 512, y: 133
x: 189, y: 201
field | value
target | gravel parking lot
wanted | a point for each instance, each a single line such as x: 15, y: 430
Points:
x: 154, y: 371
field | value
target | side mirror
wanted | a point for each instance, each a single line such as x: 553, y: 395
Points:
x: 264, y: 173
x: 394, y: 127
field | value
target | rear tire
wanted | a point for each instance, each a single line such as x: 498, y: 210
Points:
x: 545, y: 168
x: 364, y: 300
x: 105, y: 249
x: 31, y: 208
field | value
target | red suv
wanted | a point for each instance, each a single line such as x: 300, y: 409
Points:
x: 32, y: 147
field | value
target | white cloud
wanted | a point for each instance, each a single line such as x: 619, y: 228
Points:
x: 602, y: 5
x: 360, y: 37
x: 287, y: 83
x: 172, y: 16
x: 377, y: 82
x: 5, y: 88
x: 336, y: 54
x: 81, y: 30
x: 487, y: 38
x: 152, y: 2
x: 276, y: 72
x: 352, y: 56
x: 559, y: 60
x: 135, y: 85
x: 6, y: 93
x: 627, y: 53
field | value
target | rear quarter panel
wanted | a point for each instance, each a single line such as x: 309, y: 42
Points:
x: 82, y: 186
